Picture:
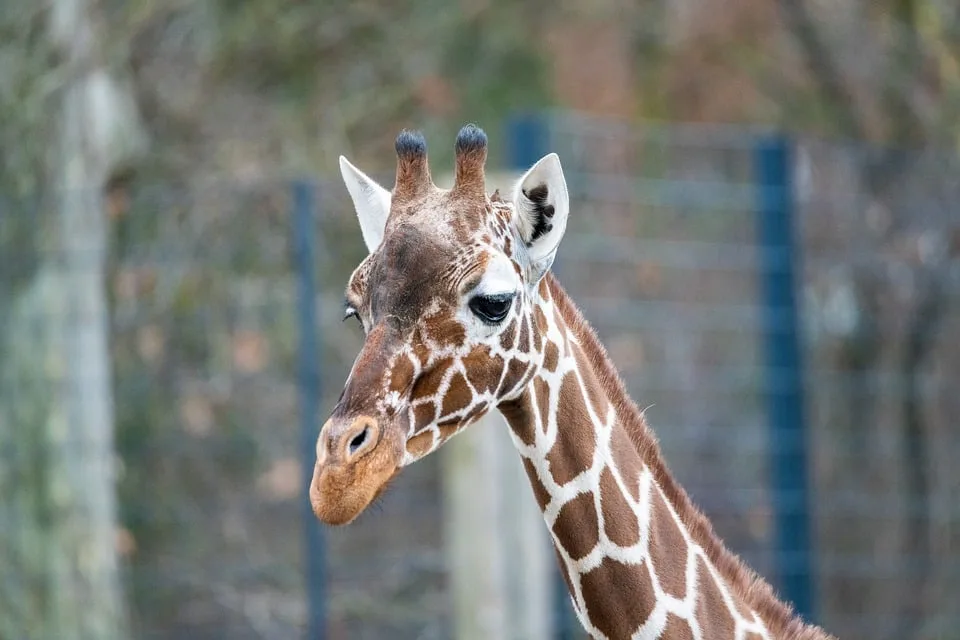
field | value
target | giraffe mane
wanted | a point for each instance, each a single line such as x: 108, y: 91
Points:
x: 755, y: 591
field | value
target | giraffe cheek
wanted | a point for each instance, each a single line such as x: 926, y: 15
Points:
x: 457, y: 397
x: 483, y: 369
x: 401, y: 376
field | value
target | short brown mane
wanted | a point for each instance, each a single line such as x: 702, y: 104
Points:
x: 755, y: 592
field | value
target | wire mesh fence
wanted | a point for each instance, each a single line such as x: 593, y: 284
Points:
x: 205, y: 285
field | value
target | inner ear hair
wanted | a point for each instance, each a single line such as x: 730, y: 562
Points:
x: 538, y: 212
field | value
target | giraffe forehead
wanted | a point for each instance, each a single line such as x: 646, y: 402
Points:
x: 415, y: 268
x: 449, y: 216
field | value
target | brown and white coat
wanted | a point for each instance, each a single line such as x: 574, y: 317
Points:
x: 462, y: 315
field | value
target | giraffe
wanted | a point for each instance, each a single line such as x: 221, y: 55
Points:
x: 461, y: 315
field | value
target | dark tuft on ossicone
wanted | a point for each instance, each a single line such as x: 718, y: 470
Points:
x: 411, y: 144
x: 471, y: 138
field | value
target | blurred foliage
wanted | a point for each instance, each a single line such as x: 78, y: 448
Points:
x: 239, y: 95
x: 29, y: 70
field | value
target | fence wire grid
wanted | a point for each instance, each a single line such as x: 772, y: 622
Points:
x: 205, y: 289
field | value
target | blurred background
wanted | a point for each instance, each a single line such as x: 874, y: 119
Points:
x: 765, y: 232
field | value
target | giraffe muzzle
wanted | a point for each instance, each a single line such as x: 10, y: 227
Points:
x: 356, y: 458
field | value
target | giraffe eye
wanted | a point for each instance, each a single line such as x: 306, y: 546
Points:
x: 491, y: 309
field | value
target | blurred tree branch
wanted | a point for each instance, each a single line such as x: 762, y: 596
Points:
x: 823, y: 67
x: 914, y: 38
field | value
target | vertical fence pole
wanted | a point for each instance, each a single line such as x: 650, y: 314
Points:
x: 528, y: 135
x: 309, y: 391
x: 783, y: 379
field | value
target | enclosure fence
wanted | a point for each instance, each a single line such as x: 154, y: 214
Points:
x: 786, y: 307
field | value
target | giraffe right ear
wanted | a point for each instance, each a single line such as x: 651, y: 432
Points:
x: 371, y: 201
x: 542, y: 203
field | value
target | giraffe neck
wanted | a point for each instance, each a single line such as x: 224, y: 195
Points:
x: 638, y: 558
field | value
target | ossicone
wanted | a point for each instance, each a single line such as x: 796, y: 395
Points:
x: 413, y: 170
x: 471, y: 152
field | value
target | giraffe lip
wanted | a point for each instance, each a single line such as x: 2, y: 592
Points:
x: 340, y: 505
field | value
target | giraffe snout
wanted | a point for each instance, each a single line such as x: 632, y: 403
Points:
x: 356, y: 458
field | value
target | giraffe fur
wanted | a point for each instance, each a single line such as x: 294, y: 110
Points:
x: 461, y: 316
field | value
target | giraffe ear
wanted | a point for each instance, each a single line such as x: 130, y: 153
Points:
x: 371, y: 201
x: 541, y: 203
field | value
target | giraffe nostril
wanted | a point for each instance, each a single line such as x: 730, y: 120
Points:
x: 359, y: 440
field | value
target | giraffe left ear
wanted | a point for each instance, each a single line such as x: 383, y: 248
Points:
x: 541, y: 203
x: 371, y: 201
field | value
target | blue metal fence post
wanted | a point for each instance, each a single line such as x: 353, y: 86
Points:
x: 783, y: 374
x: 309, y: 391
x: 528, y: 135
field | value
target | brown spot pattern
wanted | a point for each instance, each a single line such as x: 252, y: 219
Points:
x: 668, y: 549
x: 420, y: 444
x: 483, y: 369
x: 516, y: 370
x: 539, y: 491
x: 544, y: 289
x: 566, y: 463
x: 627, y: 461
x: 576, y: 526
x: 448, y: 428
x: 507, y: 336
x: 542, y: 391
x: 477, y: 410
x: 540, y: 319
x: 573, y: 453
x: 422, y: 353
x: 551, y: 355
x: 519, y: 415
x: 446, y: 332
x: 619, y: 598
x: 558, y: 319
x: 524, y: 345
x: 620, y: 523
x: 715, y: 619
x: 423, y: 415
x: 402, y: 374
x: 458, y: 395
x: 677, y: 629
x: 429, y: 383
x: 538, y: 329
x: 598, y: 400
x: 528, y: 375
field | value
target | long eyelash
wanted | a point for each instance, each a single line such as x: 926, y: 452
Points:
x: 349, y: 311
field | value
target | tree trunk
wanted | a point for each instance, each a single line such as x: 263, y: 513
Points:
x: 58, y: 508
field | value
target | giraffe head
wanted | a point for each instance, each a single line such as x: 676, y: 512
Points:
x: 447, y: 300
